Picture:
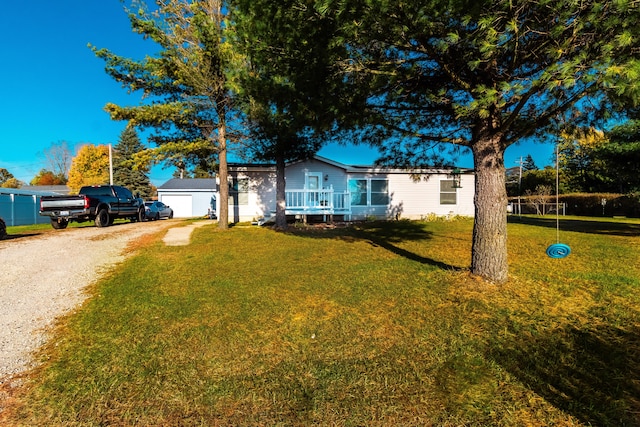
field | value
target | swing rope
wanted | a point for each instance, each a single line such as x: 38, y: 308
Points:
x: 558, y: 250
x: 557, y: 197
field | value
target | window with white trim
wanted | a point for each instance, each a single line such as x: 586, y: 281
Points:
x: 369, y: 192
x: 448, y: 192
x: 379, y: 195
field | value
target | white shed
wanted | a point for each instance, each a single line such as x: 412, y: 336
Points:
x: 189, y: 197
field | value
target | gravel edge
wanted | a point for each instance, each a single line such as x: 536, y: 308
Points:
x: 67, y: 262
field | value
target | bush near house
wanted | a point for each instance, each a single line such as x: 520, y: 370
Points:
x: 589, y: 204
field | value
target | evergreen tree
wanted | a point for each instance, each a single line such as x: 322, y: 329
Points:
x: 284, y: 88
x: 584, y: 171
x: 188, y: 97
x: 528, y: 164
x: 125, y: 172
x: 621, y: 155
x: 546, y: 177
x: 598, y: 162
x: 485, y: 75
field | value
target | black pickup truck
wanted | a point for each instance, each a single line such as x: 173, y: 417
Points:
x: 102, y: 204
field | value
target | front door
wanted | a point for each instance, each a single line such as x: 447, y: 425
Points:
x: 313, y: 184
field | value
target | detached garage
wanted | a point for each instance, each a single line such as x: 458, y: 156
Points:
x: 191, y: 197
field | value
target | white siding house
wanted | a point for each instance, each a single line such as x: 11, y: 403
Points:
x: 323, y: 187
x: 252, y: 191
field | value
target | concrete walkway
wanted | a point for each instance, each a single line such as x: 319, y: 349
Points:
x: 181, y: 236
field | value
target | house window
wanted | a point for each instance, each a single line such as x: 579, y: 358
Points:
x: 379, y: 192
x: 238, y: 191
x: 358, y: 190
x: 369, y: 192
x: 448, y: 194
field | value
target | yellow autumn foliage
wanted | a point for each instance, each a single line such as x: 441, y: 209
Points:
x: 585, y: 138
x: 89, y: 167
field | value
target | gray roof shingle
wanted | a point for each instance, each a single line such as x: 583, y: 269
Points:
x: 189, y: 184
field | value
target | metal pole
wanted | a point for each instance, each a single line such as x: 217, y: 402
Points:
x: 519, y: 162
x: 110, y: 166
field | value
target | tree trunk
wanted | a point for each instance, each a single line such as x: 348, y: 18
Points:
x: 223, y: 173
x: 281, y: 203
x: 489, y: 250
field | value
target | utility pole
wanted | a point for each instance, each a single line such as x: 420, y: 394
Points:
x: 110, y: 166
x: 519, y: 162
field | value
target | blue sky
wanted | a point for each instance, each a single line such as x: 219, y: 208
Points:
x: 54, y: 88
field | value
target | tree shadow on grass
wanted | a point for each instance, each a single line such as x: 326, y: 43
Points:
x: 388, y: 235
x: 593, y: 374
x: 581, y: 226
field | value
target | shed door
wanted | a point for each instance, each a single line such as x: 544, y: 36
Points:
x: 182, y: 204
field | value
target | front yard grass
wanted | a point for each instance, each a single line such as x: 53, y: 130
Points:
x: 376, y: 324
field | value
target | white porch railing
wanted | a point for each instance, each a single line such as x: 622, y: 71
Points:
x: 326, y: 201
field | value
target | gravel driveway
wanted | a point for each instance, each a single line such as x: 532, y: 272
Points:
x: 42, y: 277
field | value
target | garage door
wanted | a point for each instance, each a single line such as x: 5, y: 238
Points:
x: 180, y: 203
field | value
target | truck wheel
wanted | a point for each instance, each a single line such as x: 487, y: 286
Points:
x: 59, y: 224
x: 139, y: 216
x: 102, y: 219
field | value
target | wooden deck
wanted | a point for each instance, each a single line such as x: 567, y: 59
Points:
x: 318, y: 202
x: 326, y: 202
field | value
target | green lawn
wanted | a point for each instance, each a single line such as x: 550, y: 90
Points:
x: 378, y: 324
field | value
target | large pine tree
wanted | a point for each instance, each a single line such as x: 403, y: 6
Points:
x: 132, y: 177
x: 188, y: 97
x: 529, y: 164
x: 283, y: 90
x: 484, y: 75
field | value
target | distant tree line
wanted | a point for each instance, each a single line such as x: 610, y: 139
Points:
x: 590, y: 161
